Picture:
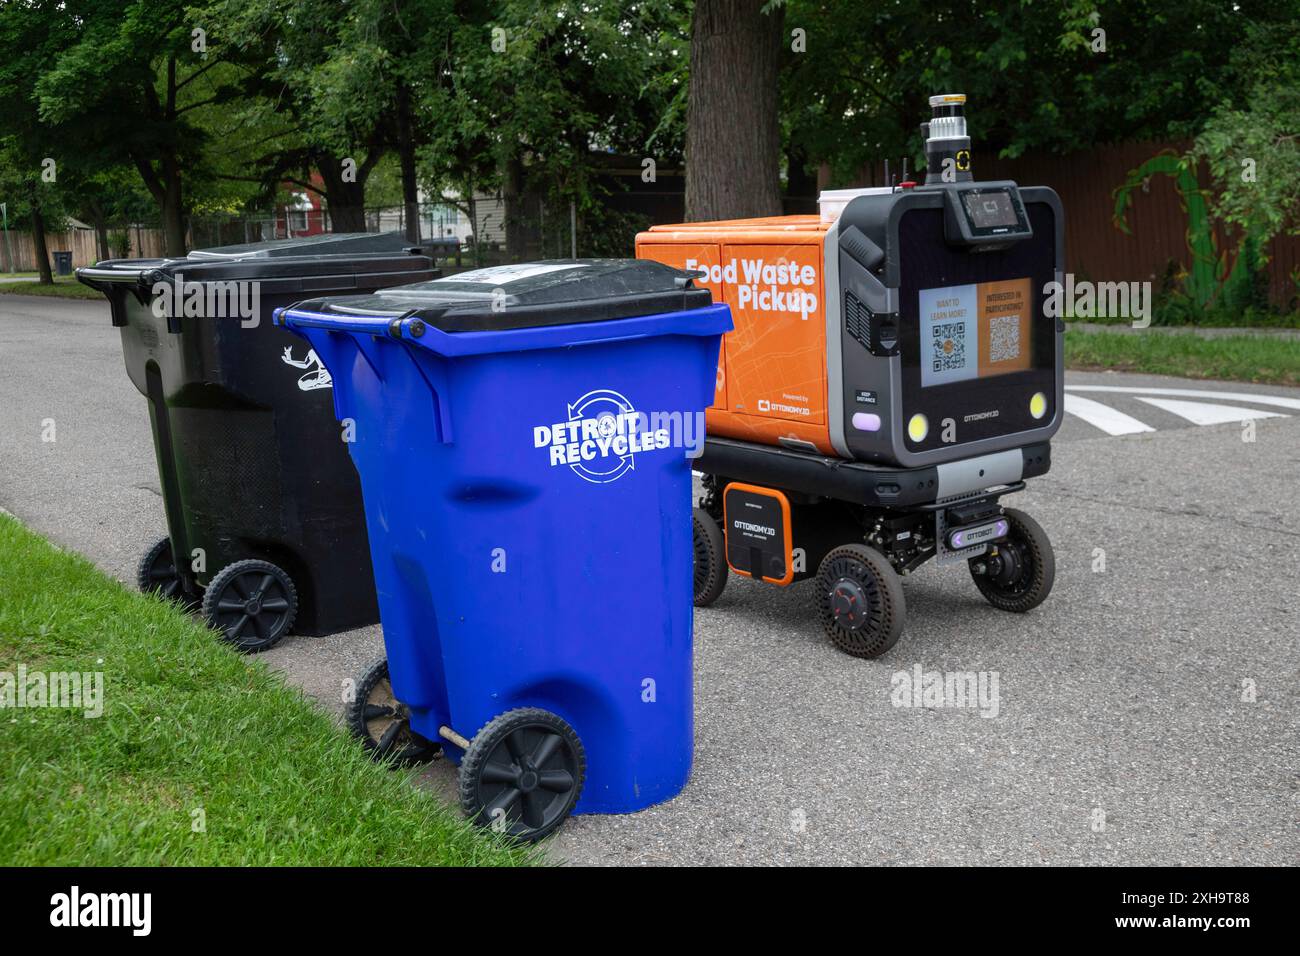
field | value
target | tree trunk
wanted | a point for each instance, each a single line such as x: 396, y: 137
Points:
x: 406, y: 158
x: 101, y: 238
x: 733, y: 140
x: 93, y: 212
x: 346, y: 197
x: 512, y: 193
x: 173, y: 212
x: 801, y: 183
x: 165, y: 182
x: 38, y: 239
x: 473, y: 227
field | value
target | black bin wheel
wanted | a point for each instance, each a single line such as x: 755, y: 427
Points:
x: 252, y: 603
x: 860, y: 600
x: 156, y: 574
x: 383, y: 723
x: 522, y: 774
x: 1020, y: 574
x: 710, y: 560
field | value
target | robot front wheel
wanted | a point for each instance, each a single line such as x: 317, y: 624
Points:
x: 860, y: 601
x: 1017, y: 574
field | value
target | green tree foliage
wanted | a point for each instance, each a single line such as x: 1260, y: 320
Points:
x: 529, y: 92
x: 1035, y: 72
x: 30, y: 33
x: 30, y: 205
x: 523, y: 96
x: 340, y: 77
x: 132, y: 83
x: 1251, y: 143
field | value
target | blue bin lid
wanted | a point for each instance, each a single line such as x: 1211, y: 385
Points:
x: 529, y: 295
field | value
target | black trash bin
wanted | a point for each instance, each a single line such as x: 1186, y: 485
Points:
x: 63, y: 263
x: 266, y: 530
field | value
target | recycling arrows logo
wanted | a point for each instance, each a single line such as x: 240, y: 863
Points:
x: 606, y: 407
x: 601, y: 436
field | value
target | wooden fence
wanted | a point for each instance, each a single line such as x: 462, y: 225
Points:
x: 1157, y: 220
x: 1095, y: 248
x: 145, y: 244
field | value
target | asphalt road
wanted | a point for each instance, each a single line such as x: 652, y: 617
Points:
x: 1122, y: 734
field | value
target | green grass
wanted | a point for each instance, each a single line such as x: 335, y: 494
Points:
x: 1237, y: 358
x: 65, y: 287
x: 1221, y: 319
x: 187, y: 724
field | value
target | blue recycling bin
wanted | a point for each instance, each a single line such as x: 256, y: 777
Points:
x: 522, y: 435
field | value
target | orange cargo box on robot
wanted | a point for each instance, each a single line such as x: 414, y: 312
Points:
x: 904, y: 325
x: 772, y: 370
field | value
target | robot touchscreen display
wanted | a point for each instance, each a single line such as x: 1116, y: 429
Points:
x: 975, y: 331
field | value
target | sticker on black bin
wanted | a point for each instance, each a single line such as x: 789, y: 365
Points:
x: 756, y: 524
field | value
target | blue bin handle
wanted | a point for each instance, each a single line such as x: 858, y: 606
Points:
x: 413, y: 330
x: 363, y: 327
x: 366, y: 324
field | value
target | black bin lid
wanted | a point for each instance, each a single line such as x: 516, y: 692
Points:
x: 327, y: 254
x: 531, y: 294
x: 323, y: 244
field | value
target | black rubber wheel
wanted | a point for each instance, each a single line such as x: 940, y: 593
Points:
x: 156, y: 574
x: 522, y: 774
x: 710, y: 560
x: 860, y: 600
x: 382, y: 722
x: 252, y: 603
x: 1020, y: 576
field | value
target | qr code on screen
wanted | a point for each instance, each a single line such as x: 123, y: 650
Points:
x: 1004, y: 338
x: 949, y: 344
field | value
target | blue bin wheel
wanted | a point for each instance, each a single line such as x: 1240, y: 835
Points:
x: 156, y: 574
x: 383, y: 723
x: 252, y: 603
x: 522, y: 774
x: 1020, y: 574
x: 710, y: 558
x: 860, y: 600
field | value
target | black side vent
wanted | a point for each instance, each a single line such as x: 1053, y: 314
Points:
x: 878, y: 334
x: 857, y: 320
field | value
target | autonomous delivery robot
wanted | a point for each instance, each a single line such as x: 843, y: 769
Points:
x: 892, y: 376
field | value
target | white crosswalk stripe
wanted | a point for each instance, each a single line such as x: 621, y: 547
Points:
x: 1109, y: 420
x: 1251, y: 397
x: 1207, y: 413
x: 1114, y: 422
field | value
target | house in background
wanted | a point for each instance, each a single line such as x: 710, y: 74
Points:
x: 438, y: 220
x: 304, y: 214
